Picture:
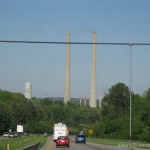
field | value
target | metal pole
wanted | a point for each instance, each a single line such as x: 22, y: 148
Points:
x: 130, y: 91
x: 7, y: 146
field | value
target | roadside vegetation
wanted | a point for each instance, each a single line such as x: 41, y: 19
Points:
x: 122, y: 144
x: 115, y: 142
x: 110, y: 121
x: 20, y: 142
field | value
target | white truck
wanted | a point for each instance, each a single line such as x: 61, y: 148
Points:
x: 60, y: 130
x: 19, y: 128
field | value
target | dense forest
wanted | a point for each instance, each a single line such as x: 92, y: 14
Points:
x: 111, y: 120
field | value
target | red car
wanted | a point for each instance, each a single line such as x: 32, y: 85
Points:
x: 62, y: 141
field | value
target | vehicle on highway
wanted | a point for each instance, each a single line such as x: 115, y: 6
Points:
x: 17, y: 134
x: 60, y: 129
x: 80, y: 138
x: 45, y: 134
x: 6, y: 134
x: 11, y: 135
x: 26, y: 134
x: 62, y: 141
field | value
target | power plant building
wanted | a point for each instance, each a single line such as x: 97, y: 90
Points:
x: 28, y: 90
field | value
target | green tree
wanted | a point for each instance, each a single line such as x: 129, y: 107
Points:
x: 115, y: 112
x: 29, y: 111
x: 4, y: 118
x: 117, y: 99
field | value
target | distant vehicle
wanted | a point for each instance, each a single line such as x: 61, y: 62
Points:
x: 19, y: 129
x: 11, y: 135
x: 17, y: 134
x: 6, y: 134
x: 60, y: 130
x: 45, y: 134
x: 26, y: 134
x: 80, y: 138
x: 62, y: 141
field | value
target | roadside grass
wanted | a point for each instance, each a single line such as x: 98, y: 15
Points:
x: 106, y: 141
x: 20, y: 142
x: 120, y: 143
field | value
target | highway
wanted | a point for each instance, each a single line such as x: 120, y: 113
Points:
x: 50, y: 145
x: 87, y: 146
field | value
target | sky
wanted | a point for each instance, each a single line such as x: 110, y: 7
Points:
x: 50, y: 20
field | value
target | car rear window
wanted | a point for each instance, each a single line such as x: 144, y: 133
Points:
x: 81, y: 136
x: 62, y: 137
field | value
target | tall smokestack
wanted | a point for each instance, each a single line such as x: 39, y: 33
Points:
x: 92, y: 102
x: 67, y: 77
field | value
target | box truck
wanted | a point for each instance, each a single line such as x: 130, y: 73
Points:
x: 19, y: 128
x: 60, y: 129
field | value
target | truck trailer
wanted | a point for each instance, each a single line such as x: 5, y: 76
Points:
x: 60, y: 129
x: 19, y: 128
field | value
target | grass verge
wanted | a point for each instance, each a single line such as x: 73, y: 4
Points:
x: 19, y: 142
x: 121, y: 143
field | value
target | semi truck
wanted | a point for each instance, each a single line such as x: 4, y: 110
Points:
x: 60, y: 129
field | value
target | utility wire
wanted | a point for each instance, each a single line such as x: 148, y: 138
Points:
x: 75, y: 43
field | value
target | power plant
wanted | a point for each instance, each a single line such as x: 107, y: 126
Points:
x: 28, y: 90
x: 92, y: 100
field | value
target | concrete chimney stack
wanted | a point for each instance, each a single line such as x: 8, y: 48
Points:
x: 92, y: 102
x: 67, y: 76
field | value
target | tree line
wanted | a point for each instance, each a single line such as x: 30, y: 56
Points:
x: 111, y: 120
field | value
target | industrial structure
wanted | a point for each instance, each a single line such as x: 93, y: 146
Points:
x: 28, y: 90
x: 92, y: 101
x: 67, y: 76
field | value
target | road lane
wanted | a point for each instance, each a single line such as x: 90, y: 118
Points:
x: 50, y: 145
x: 87, y: 146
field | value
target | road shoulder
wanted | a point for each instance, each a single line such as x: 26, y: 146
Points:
x: 48, y: 145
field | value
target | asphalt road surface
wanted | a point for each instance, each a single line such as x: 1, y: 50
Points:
x: 50, y: 145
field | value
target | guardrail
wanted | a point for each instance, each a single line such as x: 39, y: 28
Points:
x: 30, y: 147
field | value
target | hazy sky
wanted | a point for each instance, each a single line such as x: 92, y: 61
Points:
x: 50, y: 20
